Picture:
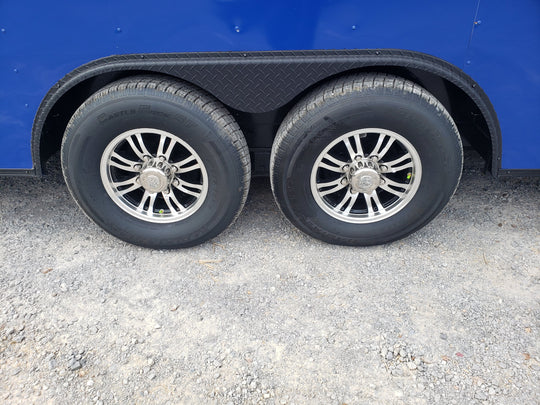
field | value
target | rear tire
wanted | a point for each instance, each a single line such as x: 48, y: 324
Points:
x: 156, y: 163
x: 366, y: 159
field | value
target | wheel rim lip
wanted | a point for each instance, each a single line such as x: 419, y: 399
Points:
x: 393, y: 208
x: 127, y: 206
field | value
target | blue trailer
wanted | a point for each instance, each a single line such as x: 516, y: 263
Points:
x: 356, y: 110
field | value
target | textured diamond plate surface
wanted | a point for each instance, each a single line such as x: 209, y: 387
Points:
x: 259, y: 81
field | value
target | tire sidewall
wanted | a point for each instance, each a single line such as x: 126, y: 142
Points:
x: 91, y: 132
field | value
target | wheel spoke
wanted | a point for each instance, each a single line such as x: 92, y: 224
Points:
x: 331, y: 168
x: 162, y: 139
x: 343, y: 201
x: 386, y: 148
x: 337, y: 185
x: 408, y: 165
x: 347, y: 210
x: 350, y: 149
x: 375, y: 198
x: 145, y: 197
x: 367, y: 197
x: 184, y: 162
x: 358, y: 142
x: 182, y: 184
x: 127, y: 182
x: 168, y: 198
x: 169, y: 150
x: 337, y: 162
x: 134, y: 148
x: 189, y: 169
x: 142, y: 145
x: 380, y: 141
x: 124, y: 164
x: 398, y: 160
x: 129, y: 189
x: 395, y: 183
x: 151, y: 203
x: 139, y: 148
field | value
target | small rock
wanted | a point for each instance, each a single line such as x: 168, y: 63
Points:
x: 151, y: 376
x: 18, y: 339
x: 75, y: 365
x: 411, y: 365
x: 480, y: 396
x: 443, y: 336
x: 90, y: 383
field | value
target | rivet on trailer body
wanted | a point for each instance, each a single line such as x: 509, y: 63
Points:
x: 26, y: 105
x: 15, y: 70
x: 118, y: 29
x: 353, y: 27
x: 3, y: 30
x: 468, y: 62
x: 237, y: 28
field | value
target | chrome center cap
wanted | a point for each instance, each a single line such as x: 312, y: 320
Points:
x: 154, y: 180
x: 364, y: 181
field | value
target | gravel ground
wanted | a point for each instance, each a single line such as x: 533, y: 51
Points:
x: 264, y: 314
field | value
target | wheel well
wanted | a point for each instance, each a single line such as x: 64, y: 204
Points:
x: 472, y: 125
x: 62, y: 111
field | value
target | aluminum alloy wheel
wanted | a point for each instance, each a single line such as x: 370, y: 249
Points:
x: 366, y: 175
x: 154, y: 175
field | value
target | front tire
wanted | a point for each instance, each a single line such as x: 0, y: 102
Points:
x: 366, y: 159
x: 156, y: 163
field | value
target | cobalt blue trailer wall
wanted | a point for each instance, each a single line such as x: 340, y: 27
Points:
x: 496, y: 43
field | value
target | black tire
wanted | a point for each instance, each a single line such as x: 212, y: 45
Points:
x: 314, y: 139
x: 191, y: 194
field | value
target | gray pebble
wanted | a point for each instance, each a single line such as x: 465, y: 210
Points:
x: 74, y: 365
